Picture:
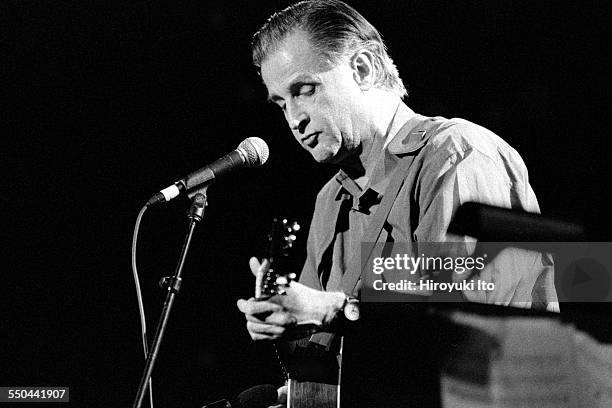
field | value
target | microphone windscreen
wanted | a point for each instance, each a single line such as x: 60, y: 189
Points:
x: 256, y: 151
x: 258, y: 396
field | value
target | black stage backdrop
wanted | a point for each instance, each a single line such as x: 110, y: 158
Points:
x: 112, y: 101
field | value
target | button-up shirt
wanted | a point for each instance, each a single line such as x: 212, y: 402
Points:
x: 461, y: 162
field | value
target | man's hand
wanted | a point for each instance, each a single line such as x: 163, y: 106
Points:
x: 297, y: 313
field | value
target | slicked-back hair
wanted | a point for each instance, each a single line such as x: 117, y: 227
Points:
x: 335, y: 30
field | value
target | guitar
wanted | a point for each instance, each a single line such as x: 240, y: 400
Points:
x: 312, y: 373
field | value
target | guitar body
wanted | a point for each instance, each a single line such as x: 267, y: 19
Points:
x: 312, y: 373
x: 306, y: 394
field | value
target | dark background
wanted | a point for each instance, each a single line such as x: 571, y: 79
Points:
x: 115, y: 100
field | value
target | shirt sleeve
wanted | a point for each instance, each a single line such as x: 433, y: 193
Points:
x: 309, y: 275
x: 455, y: 172
x: 319, y: 233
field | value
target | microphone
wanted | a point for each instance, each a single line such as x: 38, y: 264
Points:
x: 258, y: 396
x: 251, y: 152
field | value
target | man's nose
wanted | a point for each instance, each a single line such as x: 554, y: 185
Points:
x: 299, y: 124
x: 298, y: 120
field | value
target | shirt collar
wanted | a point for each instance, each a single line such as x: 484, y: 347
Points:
x: 407, y: 138
x: 363, y: 193
x: 363, y: 197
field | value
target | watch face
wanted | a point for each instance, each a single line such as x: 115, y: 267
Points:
x: 351, y: 311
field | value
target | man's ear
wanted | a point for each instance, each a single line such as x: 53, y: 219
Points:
x: 362, y: 64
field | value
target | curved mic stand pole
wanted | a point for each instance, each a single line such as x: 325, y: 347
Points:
x: 172, y: 285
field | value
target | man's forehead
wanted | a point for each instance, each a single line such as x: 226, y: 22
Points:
x: 295, y: 44
x: 293, y: 57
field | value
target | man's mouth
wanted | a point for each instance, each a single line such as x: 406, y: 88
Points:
x: 311, y: 139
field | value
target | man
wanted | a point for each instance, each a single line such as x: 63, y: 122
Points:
x: 328, y: 70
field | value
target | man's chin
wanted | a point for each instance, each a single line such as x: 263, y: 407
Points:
x: 325, y: 157
x: 337, y: 157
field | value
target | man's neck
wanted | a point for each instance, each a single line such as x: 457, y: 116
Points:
x: 389, y: 113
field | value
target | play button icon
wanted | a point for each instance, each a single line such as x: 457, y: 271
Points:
x: 585, y: 280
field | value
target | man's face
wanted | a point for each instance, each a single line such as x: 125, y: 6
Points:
x: 322, y: 105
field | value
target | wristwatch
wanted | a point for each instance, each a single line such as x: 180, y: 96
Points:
x: 351, y: 308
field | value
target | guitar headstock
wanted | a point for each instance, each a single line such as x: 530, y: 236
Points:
x: 280, y: 244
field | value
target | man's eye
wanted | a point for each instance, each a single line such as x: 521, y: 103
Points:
x: 307, y: 90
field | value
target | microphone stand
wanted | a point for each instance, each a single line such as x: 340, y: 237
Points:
x: 172, y: 285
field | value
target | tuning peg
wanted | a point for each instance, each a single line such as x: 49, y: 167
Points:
x: 285, y: 280
x: 289, y: 241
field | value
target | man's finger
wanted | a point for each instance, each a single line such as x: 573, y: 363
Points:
x: 251, y: 307
x: 243, y: 304
x: 258, y: 337
x: 277, y: 319
x: 265, y: 329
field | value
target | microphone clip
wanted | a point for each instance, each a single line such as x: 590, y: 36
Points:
x: 170, y: 283
x: 198, y: 204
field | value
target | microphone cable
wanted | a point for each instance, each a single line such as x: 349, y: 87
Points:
x: 143, y: 323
